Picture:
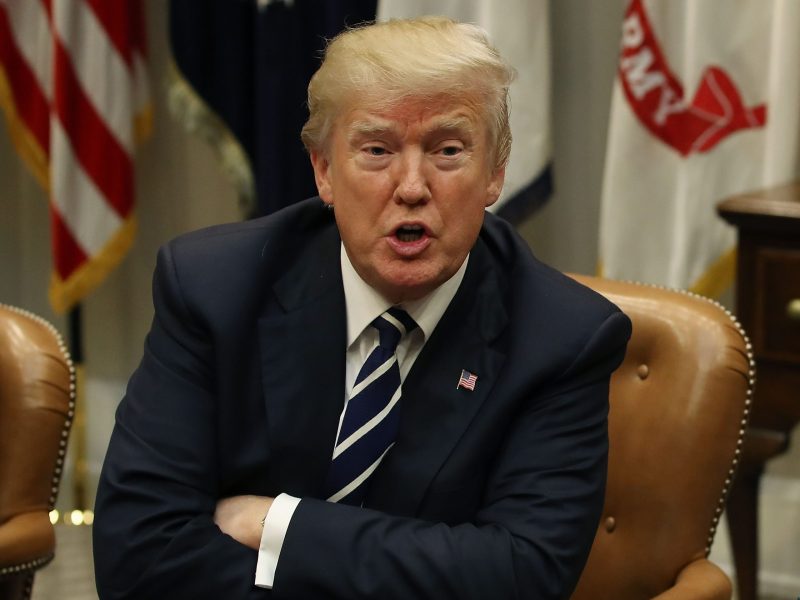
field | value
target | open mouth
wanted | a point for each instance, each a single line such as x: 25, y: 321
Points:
x: 409, y: 233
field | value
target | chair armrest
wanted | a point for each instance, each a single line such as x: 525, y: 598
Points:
x: 27, y: 542
x: 699, y: 580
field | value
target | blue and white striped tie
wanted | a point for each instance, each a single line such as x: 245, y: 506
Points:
x: 372, y: 415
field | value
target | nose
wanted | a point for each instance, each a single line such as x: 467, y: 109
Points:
x: 412, y: 184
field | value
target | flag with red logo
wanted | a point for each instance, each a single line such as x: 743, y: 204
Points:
x: 704, y: 107
x: 520, y: 31
x: 73, y: 89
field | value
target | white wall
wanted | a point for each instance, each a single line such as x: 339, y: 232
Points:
x: 180, y: 187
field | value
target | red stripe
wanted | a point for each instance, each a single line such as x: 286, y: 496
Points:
x: 68, y: 256
x: 114, y: 17
x: 138, y: 30
x: 30, y: 102
x: 95, y: 147
x: 48, y: 8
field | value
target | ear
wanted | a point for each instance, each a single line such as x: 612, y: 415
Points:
x: 322, y: 176
x: 495, y: 185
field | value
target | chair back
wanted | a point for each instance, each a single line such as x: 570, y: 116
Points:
x: 37, y: 400
x: 679, y: 405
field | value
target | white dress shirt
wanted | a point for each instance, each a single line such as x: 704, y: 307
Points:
x: 363, y: 305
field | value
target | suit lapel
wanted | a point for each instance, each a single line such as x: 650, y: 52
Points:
x: 435, y: 413
x: 302, y: 337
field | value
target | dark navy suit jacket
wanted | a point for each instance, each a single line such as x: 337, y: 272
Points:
x: 491, y: 493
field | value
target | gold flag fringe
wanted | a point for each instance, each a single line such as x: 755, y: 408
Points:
x: 189, y: 109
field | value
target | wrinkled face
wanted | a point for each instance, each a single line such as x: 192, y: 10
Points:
x: 408, y: 186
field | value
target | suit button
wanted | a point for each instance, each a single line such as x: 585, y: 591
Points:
x: 610, y: 524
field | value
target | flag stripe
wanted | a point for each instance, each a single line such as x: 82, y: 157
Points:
x: 81, y: 204
x: 101, y: 72
x: 67, y: 254
x: 114, y: 17
x: 31, y: 34
x: 30, y: 104
x: 106, y: 163
x: 138, y: 30
x: 48, y: 7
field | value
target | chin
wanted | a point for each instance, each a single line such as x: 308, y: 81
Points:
x: 407, y: 281
x: 403, y: 290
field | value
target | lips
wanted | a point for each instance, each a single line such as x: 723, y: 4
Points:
x: 409, y: 240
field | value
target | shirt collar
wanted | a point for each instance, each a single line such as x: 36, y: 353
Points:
x: 364, y: 303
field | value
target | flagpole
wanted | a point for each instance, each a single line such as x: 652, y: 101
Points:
x: 79, y: 465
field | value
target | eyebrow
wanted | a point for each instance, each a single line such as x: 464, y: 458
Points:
x: 454, y: 124
x: 370, y: 129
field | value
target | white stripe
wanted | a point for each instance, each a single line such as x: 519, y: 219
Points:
x: 359, y: 387
x: 358, y: 480
x: 397, y: 324
x: 30, y: 28
x: 82, y: 207
x: 103, y: 74
x: 358, y: 433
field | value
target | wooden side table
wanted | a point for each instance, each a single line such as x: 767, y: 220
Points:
x: 768, y: 306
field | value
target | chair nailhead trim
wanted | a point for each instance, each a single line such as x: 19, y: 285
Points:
x: 58, y: 468
x: 31, y: 565
x: 751, y: 382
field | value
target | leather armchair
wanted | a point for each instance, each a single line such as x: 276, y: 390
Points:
x: 37, y: 400
x: 679, y: 405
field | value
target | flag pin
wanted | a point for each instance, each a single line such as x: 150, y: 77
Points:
x: 467, y: 380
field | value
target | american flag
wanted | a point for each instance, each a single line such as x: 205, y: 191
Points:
x: 467, y: 380
x: 73, y: 88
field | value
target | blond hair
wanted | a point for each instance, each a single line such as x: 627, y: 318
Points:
x: 422, y: 58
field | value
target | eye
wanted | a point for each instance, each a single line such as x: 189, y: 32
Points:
x: 451, y: 150
x: 375, y: 150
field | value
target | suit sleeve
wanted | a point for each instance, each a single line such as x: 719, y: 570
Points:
x: 154, y: 535
x: 530, y: 538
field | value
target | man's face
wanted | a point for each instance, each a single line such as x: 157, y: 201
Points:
x: 409, y: 186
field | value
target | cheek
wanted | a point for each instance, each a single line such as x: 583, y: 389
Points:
x: 470, y: 227
x: 355, y: 225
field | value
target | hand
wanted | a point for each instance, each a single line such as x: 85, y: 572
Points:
x: 240, y: 517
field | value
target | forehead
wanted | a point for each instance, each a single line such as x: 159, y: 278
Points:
x: 420, y: 114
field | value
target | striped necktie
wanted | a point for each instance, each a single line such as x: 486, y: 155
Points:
x: 372, y: 416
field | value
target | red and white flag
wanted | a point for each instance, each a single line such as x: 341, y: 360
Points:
x: 705, y: 106
x: 74, y: 91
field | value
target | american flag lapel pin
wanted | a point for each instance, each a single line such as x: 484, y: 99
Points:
x: 467, y: 380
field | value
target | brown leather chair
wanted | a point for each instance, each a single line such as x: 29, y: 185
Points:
x: 679, y: 407
x: 37, y: 401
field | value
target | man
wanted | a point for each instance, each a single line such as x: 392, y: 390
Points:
x: 379, y: 394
